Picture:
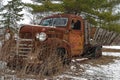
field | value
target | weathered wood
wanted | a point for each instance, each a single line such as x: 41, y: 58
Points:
x: 96, y: 34
x: 105, y: 37
x: 116, y: 40
x: 119, y: 42
x: 100, y: 36
x: 87, y: 32
x: 112, y: 38
x: 108, y: 38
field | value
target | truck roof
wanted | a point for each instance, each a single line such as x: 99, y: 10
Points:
x: 63, y: 15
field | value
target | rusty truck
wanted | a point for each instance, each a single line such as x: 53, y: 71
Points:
x: 67, y: 34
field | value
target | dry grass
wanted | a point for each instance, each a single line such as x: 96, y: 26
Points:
x: 51, y: 64
x: 48, y: 62
x: 7, y: 49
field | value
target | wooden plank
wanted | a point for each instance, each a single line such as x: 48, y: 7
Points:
x: 109, y: 37
x: 112, y: 38
x: 106, y: 37
x: 87, y: 32
x: 119, y: 42
x: 103, y: 36
x: 116, y: 40
x: 96, y: 34
x: 99, y: 34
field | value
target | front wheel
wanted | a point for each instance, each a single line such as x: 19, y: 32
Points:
x: 63, y: 54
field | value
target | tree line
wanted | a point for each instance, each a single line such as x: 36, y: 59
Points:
x: 100, y: 13
x: 10, y: 14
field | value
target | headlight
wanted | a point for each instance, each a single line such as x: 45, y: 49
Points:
x: 42, y: 36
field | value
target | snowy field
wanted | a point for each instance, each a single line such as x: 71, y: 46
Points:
x: 112, y: 47
x: 95, y: 70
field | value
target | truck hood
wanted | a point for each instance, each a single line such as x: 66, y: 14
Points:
x: 30, y: 31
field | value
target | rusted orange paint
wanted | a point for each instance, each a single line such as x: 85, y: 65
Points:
x: 76, y: 42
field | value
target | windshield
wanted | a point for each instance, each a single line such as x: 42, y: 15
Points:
x: 54, y: 22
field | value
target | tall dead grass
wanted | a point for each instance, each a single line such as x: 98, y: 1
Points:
x: 48, y: 60
x: 7, y: 49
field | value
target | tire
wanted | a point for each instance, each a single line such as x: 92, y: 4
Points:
x: 92, y: 51
x: 62, y: 53
x: 98, y: 51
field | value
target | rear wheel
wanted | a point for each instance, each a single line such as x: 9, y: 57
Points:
x: 98, y: 51
x: 92, y: 51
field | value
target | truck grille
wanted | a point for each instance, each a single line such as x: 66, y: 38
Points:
x: 24, y: 47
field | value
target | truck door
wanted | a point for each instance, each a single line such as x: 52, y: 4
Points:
x: 76, y: 37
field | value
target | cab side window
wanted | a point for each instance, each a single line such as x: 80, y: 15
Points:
x: 76, y: 24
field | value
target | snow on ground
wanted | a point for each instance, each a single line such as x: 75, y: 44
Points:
x: 106, y: 72
x: 116, y: 54
x: 109, y: 71
x: 112, y: 47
